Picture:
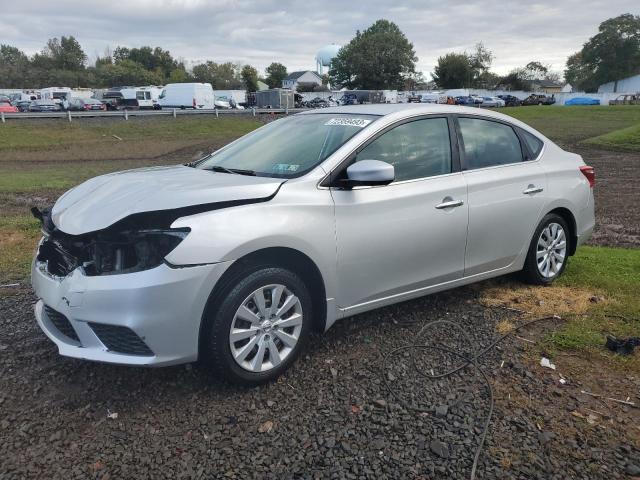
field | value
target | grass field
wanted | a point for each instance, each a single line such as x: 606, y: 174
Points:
x: 572, y: 125
x: 39, y: 160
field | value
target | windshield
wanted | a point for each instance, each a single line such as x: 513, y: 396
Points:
x: 289, y: 147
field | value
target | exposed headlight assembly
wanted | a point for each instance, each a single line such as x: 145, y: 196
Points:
x: 132, y: 251
x: 116, y: 250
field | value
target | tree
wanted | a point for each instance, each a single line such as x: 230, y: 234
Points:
x: 454, y: 70
x: 222, y: 76
x: 579, y: 74
x: 378, y: 58
x: 250, y: 78
x: 14, y: 66
x: 535, y: 71
x: 177, y: 75
x: 610, y: 55
x: 525, y: 78
x: 64, y: 54
x: 276, y: 73
x: 126, y: 72
x: 152, y: 59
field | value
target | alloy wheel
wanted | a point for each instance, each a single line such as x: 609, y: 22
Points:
x: 551, y: 250
x: 266, y: 328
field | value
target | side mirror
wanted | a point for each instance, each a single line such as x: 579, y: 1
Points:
x: 369, y: 172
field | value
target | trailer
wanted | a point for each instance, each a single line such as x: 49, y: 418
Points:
x: 55, y: 94
x: 275, y: 98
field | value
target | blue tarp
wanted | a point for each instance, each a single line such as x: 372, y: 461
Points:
x: 583, y: 101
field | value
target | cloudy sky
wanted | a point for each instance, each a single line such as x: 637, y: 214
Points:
x: 261, y: 31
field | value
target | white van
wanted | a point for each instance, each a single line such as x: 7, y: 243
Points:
x: 187, y: 95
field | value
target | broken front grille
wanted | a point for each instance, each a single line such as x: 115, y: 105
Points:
x: 121, y: 339
x: 62, y: 323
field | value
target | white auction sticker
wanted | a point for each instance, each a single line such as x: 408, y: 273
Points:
x: 349, y: 122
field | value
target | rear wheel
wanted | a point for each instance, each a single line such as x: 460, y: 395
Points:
x: 259, y: 327
x: 548, y: 251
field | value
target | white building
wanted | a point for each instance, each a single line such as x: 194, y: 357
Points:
x: 626, y: 85
x: 305, y: 77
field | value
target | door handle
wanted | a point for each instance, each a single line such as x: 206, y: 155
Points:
x: 449, y: 204
x: 531, y: 189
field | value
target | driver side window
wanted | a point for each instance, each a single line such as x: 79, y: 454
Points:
x: 417, y: 149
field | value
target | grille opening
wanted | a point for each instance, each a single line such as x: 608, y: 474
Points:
x: 121, y: 339
x: 62, y: 323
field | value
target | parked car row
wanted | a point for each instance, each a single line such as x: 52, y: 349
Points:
x: 626, y: 99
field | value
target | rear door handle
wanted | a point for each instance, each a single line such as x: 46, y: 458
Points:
x: 448, y: 203
x: 531, y: 189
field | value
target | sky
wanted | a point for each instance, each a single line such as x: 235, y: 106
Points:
x: 291, y: 32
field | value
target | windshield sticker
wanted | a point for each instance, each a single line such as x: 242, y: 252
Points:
x: 349, y: 122
x: 285, y: 167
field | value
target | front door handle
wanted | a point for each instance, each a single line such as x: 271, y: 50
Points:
x: 449, y: 203
x: 531, y: 189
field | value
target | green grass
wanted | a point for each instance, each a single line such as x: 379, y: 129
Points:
x: 19, y: 135
x: 18, y: 237
x: 615, y: 273
x: 60, y: 176
x: 571, y: 125
x: 624, y: 139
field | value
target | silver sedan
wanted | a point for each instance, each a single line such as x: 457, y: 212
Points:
x: 236, y: 258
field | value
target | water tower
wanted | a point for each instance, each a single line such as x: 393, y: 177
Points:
x: 325, y: 55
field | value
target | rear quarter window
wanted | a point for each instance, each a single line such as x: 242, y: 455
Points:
x: 533, y: 143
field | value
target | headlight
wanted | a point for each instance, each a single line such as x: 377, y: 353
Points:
x: 132, y: 251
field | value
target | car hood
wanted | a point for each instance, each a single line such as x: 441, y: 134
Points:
x: 102, y: 201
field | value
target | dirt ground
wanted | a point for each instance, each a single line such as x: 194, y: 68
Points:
x: 348, y: 408
x: 617, y: 194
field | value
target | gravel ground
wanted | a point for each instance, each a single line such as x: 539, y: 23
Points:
x: 330, y: 416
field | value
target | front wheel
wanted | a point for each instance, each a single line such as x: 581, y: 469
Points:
x: 548, y: 252
x: 259, y: 327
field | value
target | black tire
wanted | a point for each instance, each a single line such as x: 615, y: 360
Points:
x: 218, y: 320
x: 531, y: 273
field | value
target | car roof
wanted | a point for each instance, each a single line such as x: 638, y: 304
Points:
x: 405, y: 110
x: 409, y: 109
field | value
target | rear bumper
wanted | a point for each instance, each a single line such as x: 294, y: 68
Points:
x: 163, y: 307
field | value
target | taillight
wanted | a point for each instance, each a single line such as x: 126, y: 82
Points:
x: 590, y: 173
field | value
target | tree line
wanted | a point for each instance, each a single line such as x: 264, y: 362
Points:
x: 380, y: 57
x: 612, y: 54
x: 63, y: 62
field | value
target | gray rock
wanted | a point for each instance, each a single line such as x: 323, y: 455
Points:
x: 442, y: 410
x: 439, y: 448
x: 633, y: 470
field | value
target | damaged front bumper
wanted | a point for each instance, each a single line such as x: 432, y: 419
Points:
x: 150, y: 317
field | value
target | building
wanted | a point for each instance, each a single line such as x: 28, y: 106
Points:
x: 546, y: 86
x: 626, y: 85
x: 305, y: 77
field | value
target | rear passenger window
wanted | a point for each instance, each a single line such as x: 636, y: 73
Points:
x: 488, y: 143
x: 417, y: 149
x: 533, y: 143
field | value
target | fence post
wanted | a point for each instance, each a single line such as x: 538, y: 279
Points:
x: 126, y: 114
x: 286, y: 110
x: 253, y: 110
x: 69, y: 115
x: 174, y: 113
x: 2, y: 115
